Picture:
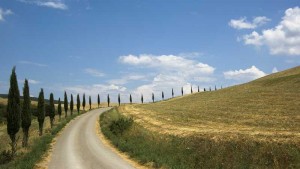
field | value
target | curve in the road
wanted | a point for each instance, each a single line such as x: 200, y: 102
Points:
x: 79, y: 146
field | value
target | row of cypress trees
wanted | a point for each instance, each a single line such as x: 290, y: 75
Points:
x: 162, y: 95
x: 21, y: 115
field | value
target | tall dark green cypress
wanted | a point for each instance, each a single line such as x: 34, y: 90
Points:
x: 191, y: 89
x: 162, y: 96
x: 90, y: 102
x: 181, y: 91
x: 59, y: 110
x: 142, y: 98
x: 78, y: 104
x: 83, y: 101
x: 98, y: 100
x: 26, y: 114
x: 204, y: 89
x: 108, y: 100
x: 41, y: 112
x: 153, y: 97
x: 71, y: 104
x: 215, y: 87
x: 172, y: 93
x: 130, y: 99
x: 13, y: 110
x: 119, y: 99
x: 52, y: 110
x: 66, y: 104
x: 198, y: 89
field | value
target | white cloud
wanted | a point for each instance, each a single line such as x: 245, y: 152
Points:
x: 4, y: 12
x: 30, y: 81
x: 32, y: 63
x: 170, y: 71
x: 169, y: 63
x: 94, y: 72
x: 244, y: 75
x: 126, y: 79
x: 283, y: 39
x: 274, y: 70
x: 95, y: 89
x: 55, y: 4
x: 242, y: 23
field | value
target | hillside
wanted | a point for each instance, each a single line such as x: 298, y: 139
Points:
x: 253, y: 125
x: 267, y: 108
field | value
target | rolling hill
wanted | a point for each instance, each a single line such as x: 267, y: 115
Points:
x: 255, y: 124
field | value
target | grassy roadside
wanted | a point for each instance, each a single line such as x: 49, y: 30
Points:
x: 158, y: 150
x: 39, y: 146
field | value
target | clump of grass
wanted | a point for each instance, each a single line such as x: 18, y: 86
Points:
x: 120, y: 125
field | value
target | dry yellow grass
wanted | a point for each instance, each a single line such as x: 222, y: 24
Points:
x: 267, y: 109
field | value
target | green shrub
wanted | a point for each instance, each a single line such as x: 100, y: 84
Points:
x: 120, y: 125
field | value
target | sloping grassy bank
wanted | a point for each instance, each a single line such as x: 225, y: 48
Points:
x: 38, y: 148
x: 158, y: 150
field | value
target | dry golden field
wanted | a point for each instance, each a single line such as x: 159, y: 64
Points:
x: 267, y: 109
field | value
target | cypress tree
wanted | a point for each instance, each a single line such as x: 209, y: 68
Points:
x: 66, y: 104
x: 130, y: 99
x: 108, y: 100
x: 52, y: 110
x: 98, y: 100
x: 90, y: 102
x: 83, y: 101
x: 71, y: 104
x: 204, y: 89
x: 172, y: 93
x: 78, y: 103
x: 13, y: 110
x: 142, y: 99
x: 119, y: 99
x: 41, y: 111
x: 198, y: 89
x: 153, y: 97
x: 221, y: 87
x: 181, y: 91
x: 209, y: 89
x: 59, y: 110
x: 26, y: 114
x: 215, y: 87
x: 191, y: 89
x: 162, y: 95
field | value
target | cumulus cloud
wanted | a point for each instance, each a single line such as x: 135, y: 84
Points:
x: 168, y: 62
x: 170, y: 71
x: 94, y: 72
x: 4, y: 13
x: 282, y: 39
x: 55, y: 4
x: 242, y: 23
x: 244, y: 75
x: 126, y: 79
x: 95, y: 89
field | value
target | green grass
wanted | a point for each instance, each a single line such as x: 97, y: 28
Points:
x: 37, y: 148
x: 253, y: 125
x: 168, y: 151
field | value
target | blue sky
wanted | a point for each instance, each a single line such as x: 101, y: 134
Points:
x: 135, y: 46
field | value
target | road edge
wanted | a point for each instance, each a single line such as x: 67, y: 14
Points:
x: 108, y: 144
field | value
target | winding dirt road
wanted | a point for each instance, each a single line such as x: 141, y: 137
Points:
x: 79, y: 146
